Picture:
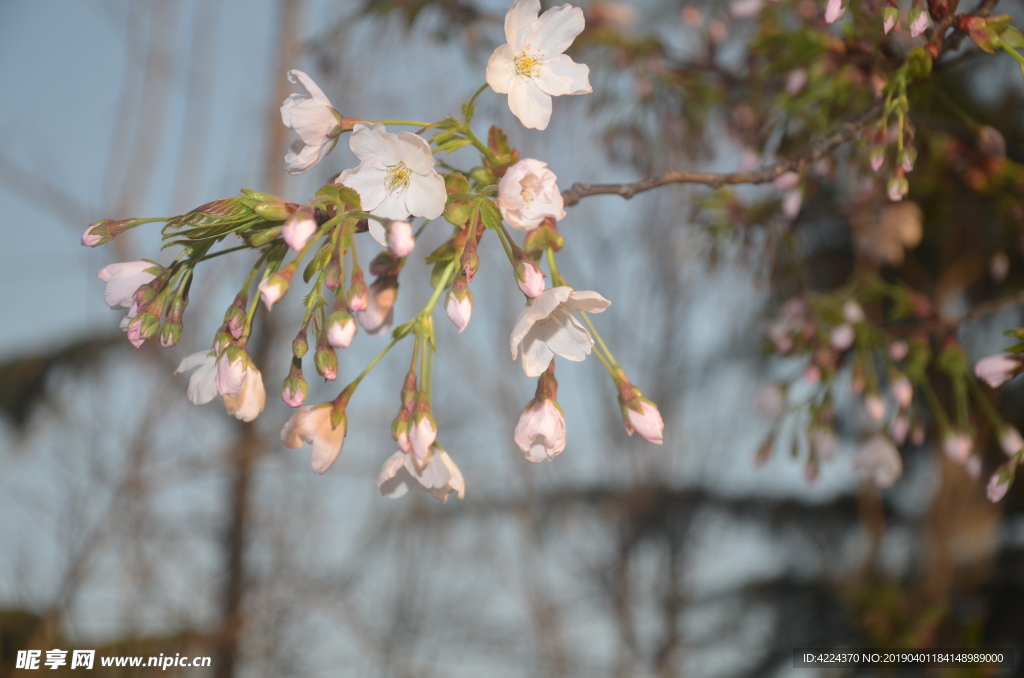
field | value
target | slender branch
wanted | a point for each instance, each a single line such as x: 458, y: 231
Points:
x: 766, y: 174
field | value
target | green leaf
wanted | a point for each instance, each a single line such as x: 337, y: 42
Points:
x: 454, y: 144
x: 490, y: 214
x: 317, y: 263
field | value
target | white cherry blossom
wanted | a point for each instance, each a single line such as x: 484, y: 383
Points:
x: 531, y: 68
x: 312, y: 424
x: 395, y: 176
x: 440, y: 476
x: 880, y: 461
x: 528, y: 193
x: 202, y: 384
x: 247, y: 404
x: 540, y: 433
x: 313, y: 119
x: 547, y: 328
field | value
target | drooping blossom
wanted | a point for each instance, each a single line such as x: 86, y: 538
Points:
x: 880, y: 461
x: 272, y: 289
x: 528, y: 193
x: 312, y: 425
x: 299, y: 228
x: 247, y: 404
x: 958, y: 447
x: 875, y: 407
x: 124, y: 279
x: 540, y: 433
x: 998, y: 486
x: 841, y: 337
x: 313, y: 119
x: 996, y: 370
x: 643, y: 417
x: 898, y: 350
x: 834, y: 11
x: 380, y: 309
x: 440, y: 476
x: 547, y: 328
x: 902, y: 391
x: 202, y: 384
x: 1010, y: 440
x: 531, y: 68
x: 400, y: 238
x: 231, y: 371
x: 395, y: 176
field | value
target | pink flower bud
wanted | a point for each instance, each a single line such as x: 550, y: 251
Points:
x: 841, y: 337
x: 796, y: 80
x: 272, y: 289
x: 996, y: 370
x: 875, y: 407
x: 897, y: 188
x: 540, y: 433
x: 902, y: 391
x: 400, y: 238
x: 341, y: 329
x: 898, y: 350
x: 973, y: 466
x: 231, y: 371
x: 91, y: 239
x: 834, y: 11
x: 299, y: 228
x: 643, y: 417
x: 459, y: 311
x: 889, y: 18
x: 529, y: 278
x: 900, y: 428
x: 1010, y: 440
x: 958, y: 447
x: 998, y: 485
x: 877, y: 157
x: 918, y: 21
x: 422, y: 435
x: 852, y: 312
x: 792, y: 201
x: 294, y: 392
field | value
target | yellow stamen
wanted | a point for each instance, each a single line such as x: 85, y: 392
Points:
x: 398, y: 178
x: 527, y: 64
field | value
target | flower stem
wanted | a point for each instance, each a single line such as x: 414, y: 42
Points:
x: 986, y: 406
x: 429, y: 308
x: 556, y: 277
x: 373, y: 363
x: 472, y: 99
x: 217, y: 254
x: 468, y: 131
x: 411, y: 123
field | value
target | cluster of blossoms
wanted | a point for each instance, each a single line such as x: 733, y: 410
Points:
x: 395, y: 182
x: 842, y: 354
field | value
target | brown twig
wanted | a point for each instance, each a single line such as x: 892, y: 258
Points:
x: 763, y: 175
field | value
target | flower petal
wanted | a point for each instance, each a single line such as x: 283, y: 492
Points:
x: 370, y: 142
x: 426, y: 195
x: 368, y: 182
x: 378, y: 232
x: 501, y: 69
x: 414, y: 151
x: 586, y: 301
x: 556, y: 29
x: 520, y: 21
x: 297, y: 77
x: 528, y: 103
x: 537, y: 355
x: 561, y: 75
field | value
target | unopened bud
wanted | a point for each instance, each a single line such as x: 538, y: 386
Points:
x: 358, y: 294
x: 295, y: 389
x: 299, y: 228
x: 898, y: 187
x: 341, y: 327
x: 459, y: 304
x: 170, y: 333
x: 400, y: 238
x: 103, y: 231
x: 275, y: 287
x: 300, y: 345
x: 918, y: 19
x: 141, y: 327
x: 907, y: 158
x: 543, y: 237
x: 890, y: 15
x: 275, y: 210
x: 529, y: 277
x: 261, y: 238
x: 326, y: 362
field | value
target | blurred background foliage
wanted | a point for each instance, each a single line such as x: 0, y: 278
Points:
x: 135, y: 523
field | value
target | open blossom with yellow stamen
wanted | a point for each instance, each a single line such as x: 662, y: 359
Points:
x: 396, y: 175
x: 528, y: 193
x: 531, y: 68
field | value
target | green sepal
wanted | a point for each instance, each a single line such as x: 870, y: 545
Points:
x: 490, y: 214
x: 338, y: 418
x: 318, y: 262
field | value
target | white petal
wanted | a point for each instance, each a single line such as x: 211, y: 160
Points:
x: 370, y: 142
x: 393, y: 480
x: 520, y: 21
x: 312, y: 121
x: 414, y: 151
x: 541, y: 308
x: 190, y: 362
x: 565, y: 336
x: 529, y: 104
x: 368, y: 182
x: 536, y: 356
x: 378, y: 232
x: 586, y: 301
x: 556, y: 29
x: 297, y: 77
x: 426, y: 195
x: 392, y: 206
x: 501, y: 68
x: 561, y: 75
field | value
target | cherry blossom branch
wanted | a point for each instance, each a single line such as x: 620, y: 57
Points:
x: 847, y: 132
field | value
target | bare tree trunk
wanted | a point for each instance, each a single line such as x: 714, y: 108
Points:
x: 250, y: 445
